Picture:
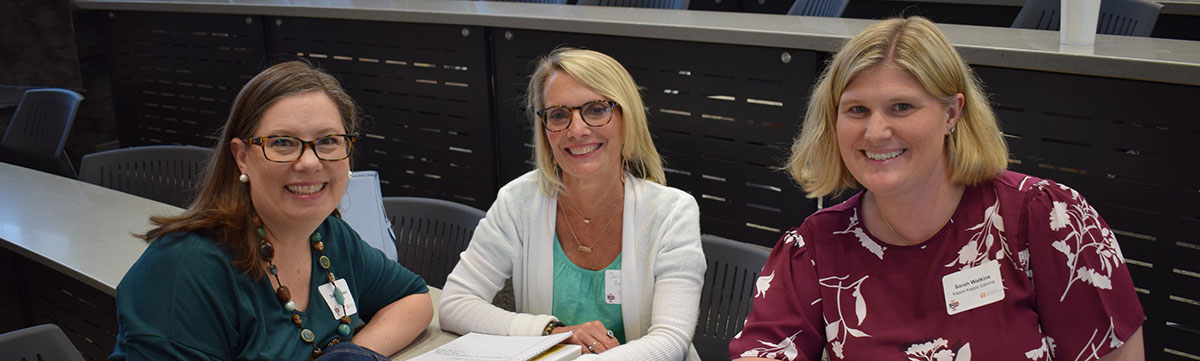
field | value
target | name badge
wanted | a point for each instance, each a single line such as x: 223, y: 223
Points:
x: 612, y: 287
x: 338, y: 308
x: 973, y: 287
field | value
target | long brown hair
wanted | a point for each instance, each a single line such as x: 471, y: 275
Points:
x: 222, y: 210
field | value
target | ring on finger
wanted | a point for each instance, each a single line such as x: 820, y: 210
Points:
x: 591, y: 348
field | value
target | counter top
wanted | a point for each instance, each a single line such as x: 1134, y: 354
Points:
x: 82, y: 230
x: 1151, y: 59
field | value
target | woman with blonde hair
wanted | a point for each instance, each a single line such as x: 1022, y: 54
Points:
x: 937, y: 256
x: 260, y: 267
x: 592, y: 240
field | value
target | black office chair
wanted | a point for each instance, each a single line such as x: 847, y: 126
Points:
x: 655, y: 4
x: 38, y: 131
x: 822, y: 8
x: 1117, y: 17
x: 42, y: 342
x: 165, y: 173
x: 728, y: 293
x: 430, y: 233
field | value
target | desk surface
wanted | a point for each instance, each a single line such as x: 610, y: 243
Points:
x: 79, y: 229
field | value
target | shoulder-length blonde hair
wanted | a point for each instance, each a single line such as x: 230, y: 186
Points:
x: 606, y: 76
x: 976, y: 150
x: 222, y: 209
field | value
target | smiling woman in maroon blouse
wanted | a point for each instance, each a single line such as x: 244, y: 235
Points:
x: 938, y: 254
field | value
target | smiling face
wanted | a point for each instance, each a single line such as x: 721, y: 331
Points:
x: 892, y: 132
x: 307, y: 190
x: 583, y: 152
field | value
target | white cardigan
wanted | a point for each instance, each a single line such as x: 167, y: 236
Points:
x: 662, y: 270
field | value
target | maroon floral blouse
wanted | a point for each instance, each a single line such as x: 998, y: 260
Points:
x: 831, y: 284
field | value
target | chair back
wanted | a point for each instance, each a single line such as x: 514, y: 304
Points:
x: 728, y: 293
x: 41, y: 342
x: 1117, y: 17
x: 822, y: 8
x: 430, y: 234
x: 38, y: 131
x: 654, y: 4
x: 165, y: 173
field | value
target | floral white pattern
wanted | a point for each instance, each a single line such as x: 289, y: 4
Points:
x: 785, y: 347
x: 763, y: 284
x: 838, y: 332
x: 793, y: 238
x: 1044, y: 352
x: 866, y: 241
x: 1079, y: 224
x: 1095, y: 344
x: 989, y: 235
x: 938, y: 350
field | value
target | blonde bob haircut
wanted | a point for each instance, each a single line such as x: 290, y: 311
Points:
x: 606, y: 76
x: 976, y: 150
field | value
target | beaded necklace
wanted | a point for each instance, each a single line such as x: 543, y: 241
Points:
x: 285, y: 296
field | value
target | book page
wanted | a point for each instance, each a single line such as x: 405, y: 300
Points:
x: 481, y: 347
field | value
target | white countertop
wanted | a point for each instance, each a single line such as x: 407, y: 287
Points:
x: 82, y: 230
x: 1152, y: 59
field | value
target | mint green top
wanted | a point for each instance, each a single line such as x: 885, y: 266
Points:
x: 579, y: 294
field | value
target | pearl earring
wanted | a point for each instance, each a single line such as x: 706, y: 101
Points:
x: 243, y: 178
x: 349, y: 174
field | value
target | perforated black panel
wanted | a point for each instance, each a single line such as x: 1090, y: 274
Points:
x: 1128, y: 146
x: 174, y: 75
x: 84, y: 313
x: 424, y: 91
x: 723, y: 117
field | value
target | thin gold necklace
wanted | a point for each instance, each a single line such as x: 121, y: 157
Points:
x: 889, y: 224
x: 587, y: 220
x: 588, y: 248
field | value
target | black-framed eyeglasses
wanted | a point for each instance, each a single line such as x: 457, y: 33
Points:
x: 286, y: 148
x: 596, y: 113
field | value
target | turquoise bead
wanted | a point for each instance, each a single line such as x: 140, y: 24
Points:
x: 307, y: 335
x: 315, y: 237
x: 344, y: 330
x: 274, y: 270
x: 289, y: 306
x: 262, y: 233
x: 337, y: 295
x: 324, y: 262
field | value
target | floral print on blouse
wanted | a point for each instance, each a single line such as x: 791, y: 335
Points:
x: 831, y: 285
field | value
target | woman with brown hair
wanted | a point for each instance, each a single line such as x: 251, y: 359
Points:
x: 259, y: 266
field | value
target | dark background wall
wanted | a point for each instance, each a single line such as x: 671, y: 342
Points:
x: 444, y: 119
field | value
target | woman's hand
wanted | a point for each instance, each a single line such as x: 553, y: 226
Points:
x: 591, y: 335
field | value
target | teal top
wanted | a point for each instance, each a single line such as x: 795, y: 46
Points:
x: 183, y: 300
x: 579, y: 294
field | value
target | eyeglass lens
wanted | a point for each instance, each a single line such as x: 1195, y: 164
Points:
x: 594, y: 114
x: 287, y: 148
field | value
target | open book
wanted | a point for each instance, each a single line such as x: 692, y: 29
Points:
x: 481, y: 347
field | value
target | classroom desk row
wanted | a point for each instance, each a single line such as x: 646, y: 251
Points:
x: 66, y: 244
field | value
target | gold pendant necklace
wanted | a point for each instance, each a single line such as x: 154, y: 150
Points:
x: 611, y: 217
x: 587, y: 220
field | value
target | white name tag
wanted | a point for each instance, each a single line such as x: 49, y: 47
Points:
x: 338, y: 309
x: 612, y: 287
x: 973, y: 287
